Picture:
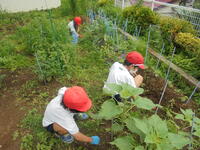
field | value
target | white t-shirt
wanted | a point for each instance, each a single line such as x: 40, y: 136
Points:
x: 119, y: 74
x: 55, y: 113
x: 71, y: 27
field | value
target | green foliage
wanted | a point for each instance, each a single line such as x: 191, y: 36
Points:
x: 196, y: 4
x: 9, y: 18
x: 188, y: 63
x: 188, y: 42
x: 188, y: 116
x: 39, y: 138
x: 10, y: 58
x: 75, y: 7
x: 139, y: 148
x: 124, y: 143
x: 170, y: 27
x: 105, y: 112
x: 112, y: 12
x: 14, y: 62
x: 116, y: 127
x: 144, y: 103
x: 154, y: 132
x: 139, y: 16
x: 47, y: 42
x: 125, y: 90
x: 101, y: 3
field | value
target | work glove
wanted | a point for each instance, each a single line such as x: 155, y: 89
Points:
x: 95, y: 140
x: 83, y: 116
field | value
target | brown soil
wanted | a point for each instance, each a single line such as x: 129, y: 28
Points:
x: 11, y: 109
x: 154, y: 86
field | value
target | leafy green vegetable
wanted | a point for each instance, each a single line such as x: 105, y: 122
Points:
x: 139, y: 148
x: 124, y: 143
x: 116, y: 127
x: 144, y: 103
x: 109, y: 110
x: 177, y: 140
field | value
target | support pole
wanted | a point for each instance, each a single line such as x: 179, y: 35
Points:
x: 191, y: 132
x: 163, y: 46
x: 193, y: 92
x: 146, y: 55
x: 166, y: 81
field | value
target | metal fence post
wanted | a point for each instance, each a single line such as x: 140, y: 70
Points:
x: 152, y: 5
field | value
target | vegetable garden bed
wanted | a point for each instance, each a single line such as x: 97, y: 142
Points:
x: 86, y: 64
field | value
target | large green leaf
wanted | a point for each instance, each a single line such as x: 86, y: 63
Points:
x: 141, y: 125
x: 130, y: 123
x: 124, y: 143
x: 164, y: 146
x: 178, y: 141
x: 128, y: 91
x: 159, y: 125
x: 109, y: 110
x: 197, y: 130
x: 180, y: 116
x: 197, y: 120
x: 116, y: 127
x: 112, y: 89
x: 152, y: 138
x: 139, y: 148
x: 188, y: 115
x: 144, y: 103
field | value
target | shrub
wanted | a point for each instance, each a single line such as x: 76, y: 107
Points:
x: 188, y: 42
x: 109, y: 8
x: 196, y: 4
x: 140, y: 15
x: 172, y: 26
x: 113, y: 12
x: 101, y: 3
x: 75, y: 7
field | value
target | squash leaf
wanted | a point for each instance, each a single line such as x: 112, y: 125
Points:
x: 124, y: 143
x: 109, y: 110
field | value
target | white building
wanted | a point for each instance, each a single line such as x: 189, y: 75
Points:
x: 27, y: 5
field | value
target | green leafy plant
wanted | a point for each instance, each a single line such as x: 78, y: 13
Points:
x: 139, y: 16
x: 172, y: 26
x: 39, y: 138
x: 189, y: 43
x: 188, y: 116
x: 153, y: 131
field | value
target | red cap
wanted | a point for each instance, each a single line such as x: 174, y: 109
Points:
x: 76, y: 98
x: 136, y: 59
x: 78, y: 20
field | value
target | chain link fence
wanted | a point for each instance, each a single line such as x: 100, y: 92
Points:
x: 170, y: 8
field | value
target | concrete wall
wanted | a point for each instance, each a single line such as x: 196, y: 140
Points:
x: 27, y: 5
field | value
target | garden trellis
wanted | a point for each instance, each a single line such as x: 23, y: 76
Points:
x: 149, y: 52
x: 105, y: 19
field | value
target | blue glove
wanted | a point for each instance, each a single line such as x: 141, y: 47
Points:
x: 83, y: 116
x: 95, y: 140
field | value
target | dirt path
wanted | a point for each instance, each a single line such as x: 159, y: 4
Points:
x: 10, y: 109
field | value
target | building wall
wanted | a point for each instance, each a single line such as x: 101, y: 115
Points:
x: 27, y: 5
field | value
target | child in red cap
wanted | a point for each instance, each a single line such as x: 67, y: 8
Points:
x: 74, y: 28
x: 127, y: 72
x: 59, y: 115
